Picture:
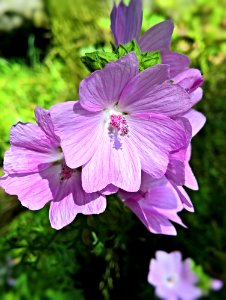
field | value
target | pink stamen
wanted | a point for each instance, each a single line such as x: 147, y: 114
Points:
x: 119, y: 122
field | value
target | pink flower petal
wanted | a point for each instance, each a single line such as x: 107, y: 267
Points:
x: 157, y: 37
x: 196, y: 119
x: 71, y: 200
x: 80, y: 131
x: 32, y: 190
x: 189, y: 79
x: 22, y: 160
x: 109, y: 189
x: 115, y: 162
x: 196, y: 96
x: 103, y: 88
x: 45, y: 123
x: 177, y: 62
x: 154, y: 139
x: 30, y: 136
x: 148, y: 93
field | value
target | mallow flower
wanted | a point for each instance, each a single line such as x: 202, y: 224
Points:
x: 35, y: 171
x: 126, y: 24
x: 122, y: 124
x: 173, y: 278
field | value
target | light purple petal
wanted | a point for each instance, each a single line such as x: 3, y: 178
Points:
x: 156, y: 273
x: 115, y: 162
x: 187, y: 291
x: 45, y: 123
x: 80, y: 131
x: 187, y: 273
x: 190, y: 80
x: 109, y: 190
x: 30, y: 136
x: 155, y: 137
x: 176, y: 167
x: 196, y: 96
x: 172, y: 262
x: 148, y: 93
x: 196, y: 119
x: 184, y: 198
x: 166, y: 293
x: 154, y: 221
x: 21, y: 160
x: 190, y: 180
x: 70, y: 199
x: 32, y: 190
x: 126, y: 21
x: 102, y: 89
x: 157, y: 37
x: 177, y: 62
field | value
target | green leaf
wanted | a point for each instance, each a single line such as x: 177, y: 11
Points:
x: 204, y: 281
x: 149, y: 59
x: 130, y: 47
x: 98, y: 59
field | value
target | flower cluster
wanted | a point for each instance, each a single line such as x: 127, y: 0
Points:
x: 129, y: 133
x: 175, y: 279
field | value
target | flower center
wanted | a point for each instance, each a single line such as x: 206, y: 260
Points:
x: 66, y: 172
x: 171, y: 280
x: 118, y: 123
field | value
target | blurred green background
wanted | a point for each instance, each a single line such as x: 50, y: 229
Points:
x: 105, y: 256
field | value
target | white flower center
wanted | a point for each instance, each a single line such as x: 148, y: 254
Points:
x: 171, y: 280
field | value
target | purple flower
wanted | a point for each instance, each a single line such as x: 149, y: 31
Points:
x: 173, y: 278
x: 36, y: 172
x: 123, y: 123
x: 155, y: 204
x: 126, y: 25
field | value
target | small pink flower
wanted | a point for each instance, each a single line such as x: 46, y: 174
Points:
x: 173, y: 278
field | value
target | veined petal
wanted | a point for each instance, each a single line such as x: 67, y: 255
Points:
x: 45, y: 123
x: 154, y: 221
x: 140, y: 86
x: 154, y: 137
x: 21, y: 160
x: 189, y: 79
x: 115, y: 162
x: 71, y: 199
x: 157, y: 37
x: 164, y: 98
x: 184, y: 197
x: 31, y: 137
x: 80, y: 131
x: 196, y: 119
x: 103, y: 88
x: 32, y: 190
x: 177, y: 62
x: 126, y: 21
